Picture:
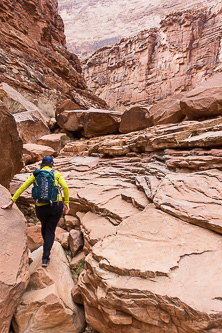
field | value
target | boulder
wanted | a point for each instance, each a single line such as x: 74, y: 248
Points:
x: 204, y: 101
x: 77, y: 259
x: 66, y: 105
x: 34, y: 153
x: 135, y: 119
x: 92, y: 122
x: 72, y: 222
x: 56, y: 141
x: 62, y: 236
x: 71, y: 120
x: 167, y: 111
x: 75, y: 241
x: 10, y: 147
x: 31, y: 126
x: 34, y: 237
x: 100, y: 122
x: 14, y: 260
x: 151, y: 276
x: 47, y: 304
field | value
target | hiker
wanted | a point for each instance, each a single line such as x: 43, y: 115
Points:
x: 48, y: 210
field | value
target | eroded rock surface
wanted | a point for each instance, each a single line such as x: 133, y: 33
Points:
x: 47, y: 304
x: 146, y: 260
x: 10, y: 146
x: 14, y: 268
x: 176, y: 56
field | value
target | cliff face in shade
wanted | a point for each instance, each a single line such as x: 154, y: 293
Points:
x: 92, y: 24
x: 33, y: 56
x: 158, y: 62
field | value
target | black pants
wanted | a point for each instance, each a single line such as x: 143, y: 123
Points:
x: 49, y: 217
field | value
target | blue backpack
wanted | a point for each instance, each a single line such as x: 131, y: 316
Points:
x: 44, y: 189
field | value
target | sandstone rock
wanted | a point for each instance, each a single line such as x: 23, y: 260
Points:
x: 15, y: 101
x: 77, y: 260
x: 34, y: 237
x: 92, y: 122
x: 109, y: 24
x: 72, y: 120
x: 127, y: 292
x: 62, y: 236
x: 195, y: 198
x: 72, y: 222
x: 76, y: 295
x: 75, y: 241
x: 31, y: 126
x: 167, y: 111
x: 157, y: 62
x: 55, y: 141
x: 135, y: 119
x: 195, y: 159
x: 47, y: 304
x: 14, y: 273
x: 94, y: 228
x: 66, y: 105
x: 35, y: 61
x: 10, y: 147
x: 204, y: 101
x: 33, y: 152
x: 100, y: 122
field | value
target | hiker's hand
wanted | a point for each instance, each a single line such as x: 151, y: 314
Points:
x: 9, y: 205
x: 66, y: 209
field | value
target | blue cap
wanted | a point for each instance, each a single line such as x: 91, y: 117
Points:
x: 47, y: 159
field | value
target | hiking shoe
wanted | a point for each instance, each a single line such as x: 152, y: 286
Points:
x: 45, y: 262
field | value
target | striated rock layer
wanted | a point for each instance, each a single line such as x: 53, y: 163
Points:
x: 34, y: 59
x: 149, y: 234
x: 90, y: 25
x: 158, y: 62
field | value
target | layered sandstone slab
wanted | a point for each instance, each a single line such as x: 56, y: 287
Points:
x: 195, y: 198
x: 194, y: 159
x: 14, y: 100
x: 151, y: 276
x: 33, y: 152
x: 146, y: 268
x: 10, y: 146
x: 31, y: 126
x: 47, y: 304
x: 14, y: 272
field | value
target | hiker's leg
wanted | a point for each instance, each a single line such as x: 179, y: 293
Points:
x: 42, y: 213
x: 52, y: 221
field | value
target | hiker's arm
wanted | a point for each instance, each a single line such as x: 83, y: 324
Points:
x: 65, y: 188
x: 21, y: 189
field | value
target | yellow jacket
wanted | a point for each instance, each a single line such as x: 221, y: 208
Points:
x: 59, y: 180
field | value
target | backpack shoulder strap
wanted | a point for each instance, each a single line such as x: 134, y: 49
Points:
x: 36, y: 172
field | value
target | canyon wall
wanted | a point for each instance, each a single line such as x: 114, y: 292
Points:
x: 33, y: 55
x: 158, y: 62
x: 92, y: 24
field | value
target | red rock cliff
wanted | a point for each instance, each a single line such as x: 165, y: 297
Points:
x: 33, y: 56
x: 158, y: 62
